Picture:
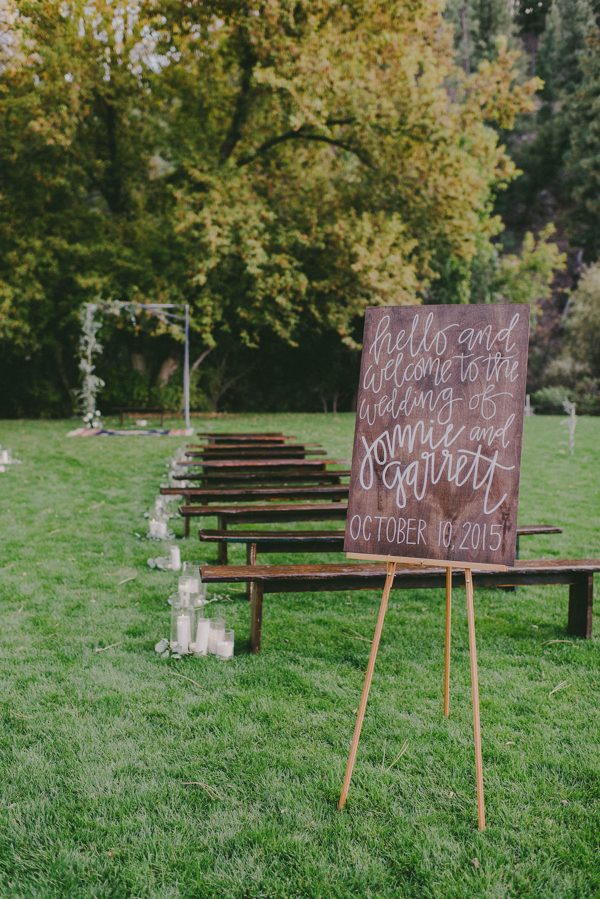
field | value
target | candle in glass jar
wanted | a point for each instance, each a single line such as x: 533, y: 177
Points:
x: 184, y: 633
x: 191, y: 570
x: 217, y: 631
x: 225, y: 646
x: 175, y: 557
x: 158, y: 528
x: 186, y: 586
x: 202, y: 634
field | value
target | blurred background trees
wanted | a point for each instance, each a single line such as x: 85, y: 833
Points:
x: 280, y: 165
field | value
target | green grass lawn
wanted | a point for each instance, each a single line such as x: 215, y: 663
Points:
x: 96, y: 746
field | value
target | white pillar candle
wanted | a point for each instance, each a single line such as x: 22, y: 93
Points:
x: 175, y: 556
x: 202, y: 634
x: 184, y: 632
x: 4, y: 457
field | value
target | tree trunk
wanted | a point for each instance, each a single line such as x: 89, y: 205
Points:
x: 138, y: 363
x: 167, y: 370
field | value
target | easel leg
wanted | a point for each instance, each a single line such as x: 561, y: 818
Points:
x: 448, y: 641
x: 475, y: 698
x: 391, y: 571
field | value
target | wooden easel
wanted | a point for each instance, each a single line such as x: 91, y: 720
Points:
x: 391, y: 571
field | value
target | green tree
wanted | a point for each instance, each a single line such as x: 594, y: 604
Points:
x: 561, y: 157
x: 583, y: 320
x: 582, y: 160
x: 478, y: 26
x: 278, y: 165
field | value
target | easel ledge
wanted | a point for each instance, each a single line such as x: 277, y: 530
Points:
x: 435, y: 563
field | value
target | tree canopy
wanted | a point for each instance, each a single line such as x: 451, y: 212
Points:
x: 278, y: 164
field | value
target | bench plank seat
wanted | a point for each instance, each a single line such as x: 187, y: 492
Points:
x: 577, y: 573
x: 270, y: 512
x: 246, y: 435
x: 235, y: 494
x: 329, y: 541
x: 250, y: 455
x: 265, y: 478
x: 265, y: 463
x: 259, y: 452
x: 255, y: 445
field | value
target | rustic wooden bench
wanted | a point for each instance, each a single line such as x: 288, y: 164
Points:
x: 243, y: 436
x: 265, y: 478
x: 577, y: 573
x: 253, y: 445
x: 331, y: 541
x: 244, y: 465
x: 297, y: 541
x: 252, y: 493
x: 260, y: 452
x: 271, y: 513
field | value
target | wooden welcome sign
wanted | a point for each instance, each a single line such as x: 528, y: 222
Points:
x: 436, y: 459
x: 437, y: 446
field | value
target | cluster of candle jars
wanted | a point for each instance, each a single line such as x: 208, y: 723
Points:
x: 191, y: 632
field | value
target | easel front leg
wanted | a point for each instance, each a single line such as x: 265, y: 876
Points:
x: 389, y: 580
x: 475, y: 698
x: 448, y: 641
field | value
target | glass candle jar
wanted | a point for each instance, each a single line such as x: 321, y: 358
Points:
x: 174, y: 558
x: 186, y: 586
x: 216, y: 634
x: 225, y: 646
x: 201, y: 634
x: 181, y: 626
x: 158, y: 528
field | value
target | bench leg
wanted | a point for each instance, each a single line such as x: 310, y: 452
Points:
x: 186, y: 526
x: 222, y: 547
x: 581, y: 597
x: 256, y: 602
x: 250, y: 560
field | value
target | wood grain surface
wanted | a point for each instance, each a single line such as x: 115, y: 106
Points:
x: 437, y: 444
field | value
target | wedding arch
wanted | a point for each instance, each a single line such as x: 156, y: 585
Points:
x: 174, y: 315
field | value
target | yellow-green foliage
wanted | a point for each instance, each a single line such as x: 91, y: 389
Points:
x: 286, y: 162
x: 583, y: 322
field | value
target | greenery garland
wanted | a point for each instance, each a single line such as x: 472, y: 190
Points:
x: 90, y: 347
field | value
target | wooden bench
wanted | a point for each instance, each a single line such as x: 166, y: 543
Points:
x: 271, y: 452
x: 243, y: 436
x: 251, y: 494
x: 577, y: 573
x: 331, y: 541
x: 271, y: 513
x: 244, y: 465
x: 265, y: 479
x: 253, y: 445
